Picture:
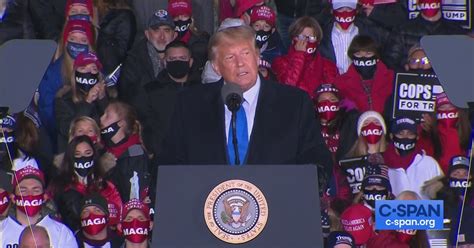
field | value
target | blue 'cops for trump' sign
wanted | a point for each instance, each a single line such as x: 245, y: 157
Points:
x: 409, y: 214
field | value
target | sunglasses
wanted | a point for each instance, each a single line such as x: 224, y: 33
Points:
x: 423, y: 61
x: 311, y: 39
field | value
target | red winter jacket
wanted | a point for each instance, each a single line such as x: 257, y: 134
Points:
x: 304, y: 71
x: 424, y: 142
x: 111, y: 194
x: 343, y: 190
x: 386, y: 239
x: 350, y: 86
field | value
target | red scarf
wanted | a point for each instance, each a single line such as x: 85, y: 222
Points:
x: 331, y: 140
x: 395, y: 161
x: 118, y: 150
x: 450, y: 140
x: 186, y: 37
x: 77, y: 186
x: 81, y: 188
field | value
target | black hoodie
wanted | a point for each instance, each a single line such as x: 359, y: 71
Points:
x: 157, y: 108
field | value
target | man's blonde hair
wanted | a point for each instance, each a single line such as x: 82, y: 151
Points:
x: 240, y: 33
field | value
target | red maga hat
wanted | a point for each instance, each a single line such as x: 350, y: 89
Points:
x: 80, y: 26
x: 263, y: 13
x: 84, y: 59
x: 179, y: 7
x: 28, y: 172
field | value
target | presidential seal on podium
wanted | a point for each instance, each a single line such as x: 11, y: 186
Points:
x: 236, y: 211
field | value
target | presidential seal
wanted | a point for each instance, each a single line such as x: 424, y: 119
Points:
x: 236, y: 211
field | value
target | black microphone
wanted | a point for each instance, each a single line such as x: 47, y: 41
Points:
x: 232, y: 95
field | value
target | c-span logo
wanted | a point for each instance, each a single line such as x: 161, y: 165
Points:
x: 236, y: 211
x: 414, y: 215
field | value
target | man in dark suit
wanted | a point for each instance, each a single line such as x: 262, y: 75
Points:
x: 279, y: 120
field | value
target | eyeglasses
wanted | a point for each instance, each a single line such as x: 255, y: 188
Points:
x: 249, y: 11
x: 311, y: 39
x: 423, y: 61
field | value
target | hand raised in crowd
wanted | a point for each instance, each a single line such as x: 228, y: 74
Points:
x: 301, y: 45
x: 367, y: 6
x: 375, y: 158
x: 427, y: 122
x: 101, y: 92
x: 97, y: 92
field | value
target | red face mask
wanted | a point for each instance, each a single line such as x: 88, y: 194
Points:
x: 30, y: 204
x: 311, y: 47
x: 94, y: 223
x: 136, y: 231
x: 406, y: 235
x: 447, y: 119
x: 93, y: 139
x: 429, y: 8
x: 3, y: 202
x: 372, y: 133
x: 327, y: 110
x: 345, y: 18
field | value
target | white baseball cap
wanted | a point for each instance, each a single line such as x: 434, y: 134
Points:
x: 337, y: 4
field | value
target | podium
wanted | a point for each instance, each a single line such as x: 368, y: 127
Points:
x: 237, y: 206
x: 22, y: 66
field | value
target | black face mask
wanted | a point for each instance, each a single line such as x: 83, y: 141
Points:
x: 178, y: 68
x: 85, y: 81
x: 404, y: 145
x: 370, y: 196
x: 83, y: 165
x: 182, y: 27
x: 365, y: 67
x: 6, y: 143
x: 459, y: 185
x: 262, y: 37
x: 107, y: 133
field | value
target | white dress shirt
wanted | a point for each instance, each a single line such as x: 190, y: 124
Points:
x: 341, y: 39
x: 59, y: 234
x: 250, y: 106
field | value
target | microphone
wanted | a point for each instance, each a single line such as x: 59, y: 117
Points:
x: 232, y: 95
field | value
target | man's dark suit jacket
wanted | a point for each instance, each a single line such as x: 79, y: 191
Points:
x: 284, y: 129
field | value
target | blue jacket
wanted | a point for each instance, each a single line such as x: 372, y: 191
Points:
x: 50, y: 84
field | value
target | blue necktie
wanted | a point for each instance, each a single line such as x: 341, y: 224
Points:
x: 242, y: 137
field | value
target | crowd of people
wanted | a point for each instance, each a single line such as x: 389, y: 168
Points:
x: 79, y: 164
